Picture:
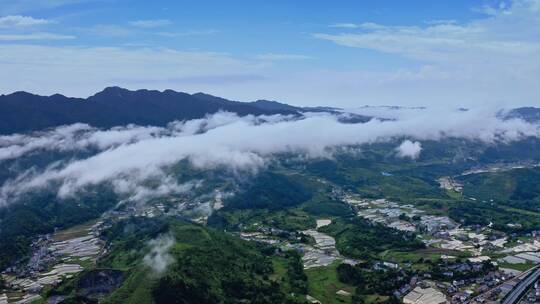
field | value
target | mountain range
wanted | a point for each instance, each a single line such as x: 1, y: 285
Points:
x: 23, y: 112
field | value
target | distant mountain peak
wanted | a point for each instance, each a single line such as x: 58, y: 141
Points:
x: 57, y: 95
x: 113, y: 91
x: 529, y: 114
x: 22, y: 94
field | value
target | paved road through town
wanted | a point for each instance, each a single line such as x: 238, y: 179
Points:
x: 515, y: 294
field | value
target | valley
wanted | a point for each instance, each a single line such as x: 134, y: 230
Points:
x: 269, y: 152
x: 355, y: 224
x: 464, y: 263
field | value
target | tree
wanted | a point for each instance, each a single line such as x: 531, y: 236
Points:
x: 349, y: 274
x: 404, y: 217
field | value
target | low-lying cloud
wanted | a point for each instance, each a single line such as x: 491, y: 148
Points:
x: 128, y: 157
x: 410, y: 149
x: 159, y: 258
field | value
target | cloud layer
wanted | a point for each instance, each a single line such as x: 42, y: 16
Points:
x: 129, y: 157
x: 485, y: 60
x: 19, y: 21
x: 486, y: 40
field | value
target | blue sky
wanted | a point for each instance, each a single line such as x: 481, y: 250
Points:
x: 342, y: 53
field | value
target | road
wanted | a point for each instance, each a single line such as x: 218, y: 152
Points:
x: 515, y: 294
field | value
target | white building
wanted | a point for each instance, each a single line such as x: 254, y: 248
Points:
x: 421, y: 295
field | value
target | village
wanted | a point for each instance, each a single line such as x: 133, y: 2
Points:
x: 509, y: 262
x: 501, y: 167
x: 55, y: 257
x: 61, y: 255
x: 465, y: 280
x: 321, y: 253
x: 479, y: 244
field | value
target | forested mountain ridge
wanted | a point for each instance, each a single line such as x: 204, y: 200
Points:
x: 529, y: 114
x: 23, y: 112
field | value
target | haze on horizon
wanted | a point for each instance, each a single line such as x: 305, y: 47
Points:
x: 415, y: 53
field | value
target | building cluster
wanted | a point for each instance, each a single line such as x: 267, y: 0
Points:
x: 399, y: 216
x: 322, y: 252
x: 487, y: 287
x: 492, y: 168
x: 441, y: 232
x: 532, y: 296
x: 386, y: 213
x: 449, y: 183
x: 462, y: 282
x: 51, y: 262
x: 419, y: 291
x: 527, y: 252
x: 428, y: 295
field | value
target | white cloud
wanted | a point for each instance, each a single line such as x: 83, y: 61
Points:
x: 83, y: 71
x: 151, y: 23
x: 159, y: 258
x: 511, y: 32
x: 345, y: 25
x: 483, y: 60
x: 246, y: 144
x: 18, y: 21
x: 441, y: 21
x: 35, y: 36
x: 21, y: 6
x: 107, y: 30
x: 136, y: 192
x: 71, y: 138
x: 410, y: 149
x: 278, y: 57
x: 365, y: 26
x: 14, y: 146
x: 188, y: 33
x: 438, y: 43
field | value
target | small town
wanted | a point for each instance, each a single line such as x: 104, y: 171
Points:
x: 477, y: 246
x: 55, y: 257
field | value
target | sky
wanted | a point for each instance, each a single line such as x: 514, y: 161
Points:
x: 343, y: 53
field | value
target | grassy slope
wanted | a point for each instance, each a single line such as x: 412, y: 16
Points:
x: 323, y: 284
x: 206, y: 260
